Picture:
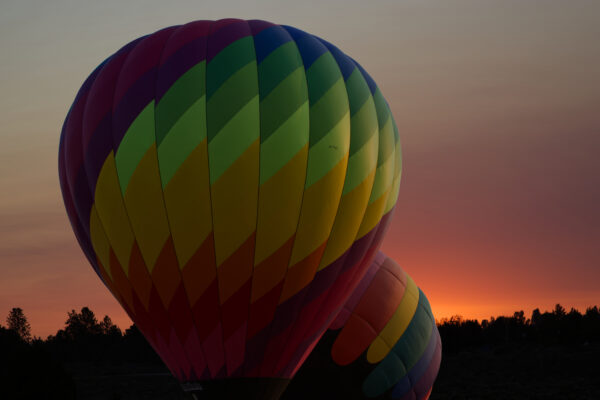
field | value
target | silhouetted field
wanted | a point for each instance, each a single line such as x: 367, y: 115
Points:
x: 520, y: 372
x: 552, y: 355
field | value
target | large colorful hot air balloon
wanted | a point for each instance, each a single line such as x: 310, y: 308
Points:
x: 384, y: 344
x: 230, y: 182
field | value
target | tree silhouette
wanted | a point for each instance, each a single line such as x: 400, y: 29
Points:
x: 108, y: 328
x: 536, y: 316
x: 559, y: 311
x: 18, y: 323
x: 519, y: 317
x: 82, y: 324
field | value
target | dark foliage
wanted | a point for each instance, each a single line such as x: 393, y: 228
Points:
x: 68, y: 365
x: 84, y: 339
x: 17, y: 322
x: 557, y: 327
x: 28, y: 371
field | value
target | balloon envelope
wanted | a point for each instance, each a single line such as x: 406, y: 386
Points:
x: 229, y: 181
x: 384, y: 344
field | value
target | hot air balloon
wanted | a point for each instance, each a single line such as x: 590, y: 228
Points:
x: 384, y: 344
x: 229, y: 181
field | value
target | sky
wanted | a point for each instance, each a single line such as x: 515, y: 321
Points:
x: 497, y: 104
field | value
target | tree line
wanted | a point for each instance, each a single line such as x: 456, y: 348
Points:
x: 556, y: 327
x: 32, y: 367
x: 84, y: 337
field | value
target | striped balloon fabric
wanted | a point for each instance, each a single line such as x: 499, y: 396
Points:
x: 384, y: 344
x: 230, y: 181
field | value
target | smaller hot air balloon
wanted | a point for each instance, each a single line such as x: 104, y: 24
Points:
x: 384, y: 343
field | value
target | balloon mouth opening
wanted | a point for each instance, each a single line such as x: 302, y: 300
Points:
x: 233, y: 388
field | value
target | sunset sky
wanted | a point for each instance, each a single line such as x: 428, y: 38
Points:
x: 497, y: 104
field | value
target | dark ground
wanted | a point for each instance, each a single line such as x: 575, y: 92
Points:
x: 125, y: 382
x: 527, y: 372
x: 555, y: 372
